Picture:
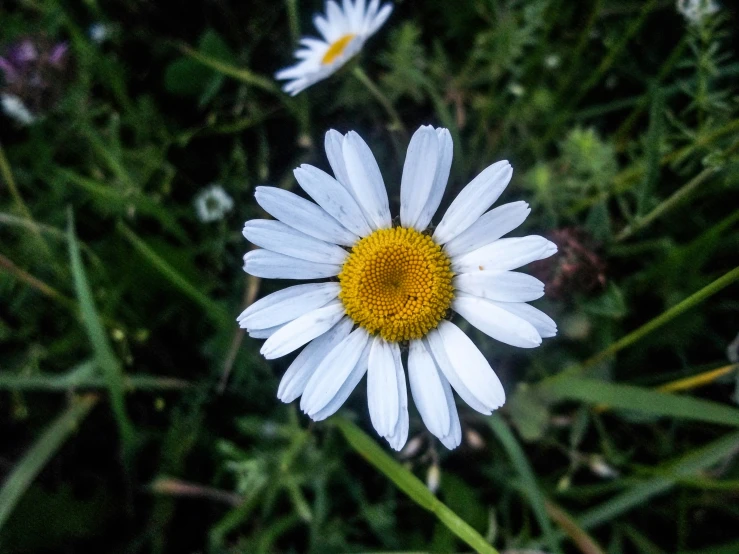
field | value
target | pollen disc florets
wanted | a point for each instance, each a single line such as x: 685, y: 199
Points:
x: 397, y: 283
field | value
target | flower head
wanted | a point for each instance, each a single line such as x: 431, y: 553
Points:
x: 344, y: 31
x: 396, y: 284
x: 212, y: 203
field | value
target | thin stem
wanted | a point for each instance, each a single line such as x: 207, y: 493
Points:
x: 680, y: 194
x: 652, y: 325
x: 375, y: 91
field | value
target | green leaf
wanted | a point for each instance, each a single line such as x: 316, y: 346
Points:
x: 649, y: 401
x: 529, y: 412
x: 103, y: 353
x: 609, y: 304
x: 528, y: 480
x: 33, y: 461
x: 411, y: 485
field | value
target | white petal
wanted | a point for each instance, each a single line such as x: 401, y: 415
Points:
x: 370, y: 14
x: 435, y: 345
x: 505, y: 286
x: 496, y: 322
x: 399, y: 436
x: 366, y: 180
x: 346, y: 389
x: 544, y: 325
x: 334, y: 198
x: 488, y: 228
x: 335, y: 16
x: 302, y: 330
x: 264, y: 333
x: 419, y: 171
x: 380, y: 19
x: 333, y: 372
x: 473, y: 201
x: 287, y: 304
x: 444, y: 165
x: 324, y: 28
x: 505, y: 254
x: 333, y: 145
x: 427, y: 389
x: 270, y: 265
x: 303, y: 215
x: 382, y: 387
x: 297, y: 375
x: 454, y: 438
x: 283, y: 239
x: 470, y: 366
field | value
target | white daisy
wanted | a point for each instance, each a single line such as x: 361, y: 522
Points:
x: 395, y: 285
x: 212, y: 203
x: 344, y: 31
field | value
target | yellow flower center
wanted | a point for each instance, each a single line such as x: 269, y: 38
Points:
x: 336, y: 49
x: 396, y: 283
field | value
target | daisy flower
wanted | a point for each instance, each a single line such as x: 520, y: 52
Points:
x: 344, y: 31
x: 393, y: 285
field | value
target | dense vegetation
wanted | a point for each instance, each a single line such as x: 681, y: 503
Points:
x: 137, y: 417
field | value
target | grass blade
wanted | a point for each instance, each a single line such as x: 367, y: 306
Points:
x: 411, y: 485
x: 213, y: 309
x: 33, y: 461
x: 652, y: 325
x: 584, y: 542
x: 686, y: 466
x: 103, y: 353
x: 530, y: 486
x: 649, y: 401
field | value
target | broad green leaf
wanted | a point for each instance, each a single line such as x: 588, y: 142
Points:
x: 411, y: 485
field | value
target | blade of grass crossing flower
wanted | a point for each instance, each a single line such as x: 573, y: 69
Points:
x: 649, y: 401
x: 36, y: 458
x: 411, y: 485
x: 213, y: 309
x: 528, y: 480
x: 103, y: 353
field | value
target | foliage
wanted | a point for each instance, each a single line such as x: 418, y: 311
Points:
x: 135, y: 415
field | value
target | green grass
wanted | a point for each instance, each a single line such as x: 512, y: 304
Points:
x: 619, y: 435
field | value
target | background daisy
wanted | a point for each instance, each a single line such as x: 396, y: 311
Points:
x: 344, y: 30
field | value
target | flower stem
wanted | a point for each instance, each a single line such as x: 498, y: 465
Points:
x: 375, y: 91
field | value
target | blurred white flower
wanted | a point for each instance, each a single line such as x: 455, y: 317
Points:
x: 516, y: 89
x: 695, y: 10
x: 16, y: 109
x: 98, y: 32
x: 213, y: 203
x: 344, y: 31
x: 552, y: 61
